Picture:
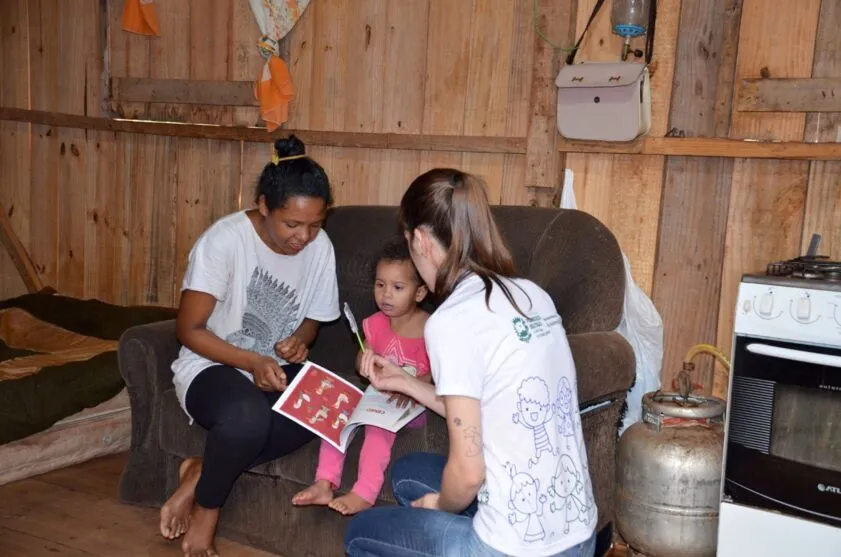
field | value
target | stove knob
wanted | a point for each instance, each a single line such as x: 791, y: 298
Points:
x: 766, y: 304
x: 804, y: 308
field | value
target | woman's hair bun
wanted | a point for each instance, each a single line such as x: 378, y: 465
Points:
x: 289, y: 147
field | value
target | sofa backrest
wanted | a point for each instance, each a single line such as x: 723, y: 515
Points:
x: 569, y: 253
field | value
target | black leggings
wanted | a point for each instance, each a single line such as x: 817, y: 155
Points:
x: 242, y: 429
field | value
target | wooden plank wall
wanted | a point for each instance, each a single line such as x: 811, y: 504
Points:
x: 113, y: 215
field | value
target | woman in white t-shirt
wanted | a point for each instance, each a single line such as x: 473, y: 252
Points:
x: 515, y: 481
x: 257, y: 284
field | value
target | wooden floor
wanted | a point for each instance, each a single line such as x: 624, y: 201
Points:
x: 75, y: 512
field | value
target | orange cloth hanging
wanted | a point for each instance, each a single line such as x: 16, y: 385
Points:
x: 275, y: 91
x: 274, y: 87
x: 139, y: 16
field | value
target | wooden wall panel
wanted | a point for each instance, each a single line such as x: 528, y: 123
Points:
x: 170, y: 56
x: 244, y: 60
x: 150, y: 169
x: 128, y: 56
x: 487, y: 87
x: 696, y: 191
x: 14, y: 136
x: 624, y: 191
x: 767, y: 197
x: 208, y: 188
x: 523, y: 46
x: 209, y: 45
x: 45, y: 58
x: 80, y: 51
x: 823, y: 198
x: 107, y: 253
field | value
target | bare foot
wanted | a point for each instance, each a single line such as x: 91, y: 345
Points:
x: 175, y: 514
x: 319, y: 493
x: 198, y: 542
x: 349, y: 504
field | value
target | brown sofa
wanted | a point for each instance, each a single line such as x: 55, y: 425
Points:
x: 573, y: 256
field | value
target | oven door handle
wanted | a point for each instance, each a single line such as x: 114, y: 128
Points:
x: 795, y: 355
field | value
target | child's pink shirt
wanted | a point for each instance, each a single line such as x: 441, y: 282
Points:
x: 376, y: 449
x: 405, y: 352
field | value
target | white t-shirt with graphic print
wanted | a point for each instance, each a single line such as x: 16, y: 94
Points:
x: 537, y: 498
x: 262, y: 296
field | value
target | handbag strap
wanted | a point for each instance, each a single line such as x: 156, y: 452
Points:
x: 649, y: 35
x: 593, y: 14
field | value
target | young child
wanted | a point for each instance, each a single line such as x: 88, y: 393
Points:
x: 396, y: 333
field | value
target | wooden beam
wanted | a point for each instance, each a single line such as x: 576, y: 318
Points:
x: 711, y: 147
x: 544, y: 163
x: 809, y: 94
x: 18, y: 254
x: 693, y: 213
x: 183, y: 91
x: 414, y: 142
x: 688, y: 146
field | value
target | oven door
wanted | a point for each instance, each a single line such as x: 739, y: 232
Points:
x: 784, y: 429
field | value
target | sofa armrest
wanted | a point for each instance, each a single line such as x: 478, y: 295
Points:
x: 146, y: 353
x: 605, y: 365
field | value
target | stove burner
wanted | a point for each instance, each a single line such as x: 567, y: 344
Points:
x: 813, y: 267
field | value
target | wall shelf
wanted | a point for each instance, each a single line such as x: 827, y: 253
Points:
x: 416, y: 142
x: 669, y: 146
x: 710, y: 147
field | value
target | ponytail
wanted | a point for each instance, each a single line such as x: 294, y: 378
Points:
x: 454, y: 206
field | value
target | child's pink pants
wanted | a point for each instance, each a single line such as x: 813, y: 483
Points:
x: 376, y: 454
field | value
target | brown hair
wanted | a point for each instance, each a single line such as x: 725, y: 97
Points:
x: 454, y: 206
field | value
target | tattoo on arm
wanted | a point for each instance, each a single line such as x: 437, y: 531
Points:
x: 474, y: 441
x: 457, y: 421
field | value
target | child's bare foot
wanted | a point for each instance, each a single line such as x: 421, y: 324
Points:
x: 319, y: 493
x: 175, y: 514
x: 349, y: 504
x: 198, y: 542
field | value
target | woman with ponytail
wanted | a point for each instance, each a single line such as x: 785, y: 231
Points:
x: 515, y: 481
x: 257, y: 284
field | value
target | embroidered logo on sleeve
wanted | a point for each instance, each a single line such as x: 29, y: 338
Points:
x: 521, y: 327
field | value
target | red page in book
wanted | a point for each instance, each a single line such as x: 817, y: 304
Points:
x: 321, y: 401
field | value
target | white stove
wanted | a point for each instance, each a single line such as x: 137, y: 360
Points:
x: 788, y: 308
x: 781, y: 489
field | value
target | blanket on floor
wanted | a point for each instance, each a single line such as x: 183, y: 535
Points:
x: 58, y: 356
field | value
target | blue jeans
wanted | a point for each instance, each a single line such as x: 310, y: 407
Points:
x: 408, y: 532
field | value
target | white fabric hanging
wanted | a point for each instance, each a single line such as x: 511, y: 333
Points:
x: 641, y: 325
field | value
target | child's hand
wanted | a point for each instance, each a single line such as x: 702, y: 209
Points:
x: 383, y: 375
x: 292, y: 350
x: 401, y: 400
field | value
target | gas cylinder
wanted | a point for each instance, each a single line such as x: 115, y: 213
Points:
x: 669, y: 476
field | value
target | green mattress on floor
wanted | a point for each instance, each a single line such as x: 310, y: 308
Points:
x: 58, y: 356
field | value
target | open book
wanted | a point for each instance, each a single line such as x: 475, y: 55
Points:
x: 334, y: 409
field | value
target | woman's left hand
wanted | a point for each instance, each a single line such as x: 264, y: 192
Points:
x: 292, y: 349
x: 428, y: 501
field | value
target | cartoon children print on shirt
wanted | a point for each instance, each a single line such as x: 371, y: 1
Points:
x: 563, y: 406
x: 526, y: 503
x: 533, y: 411
x: 569, y: 496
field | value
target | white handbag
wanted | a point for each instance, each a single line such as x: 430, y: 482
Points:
x: 605, y: 101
